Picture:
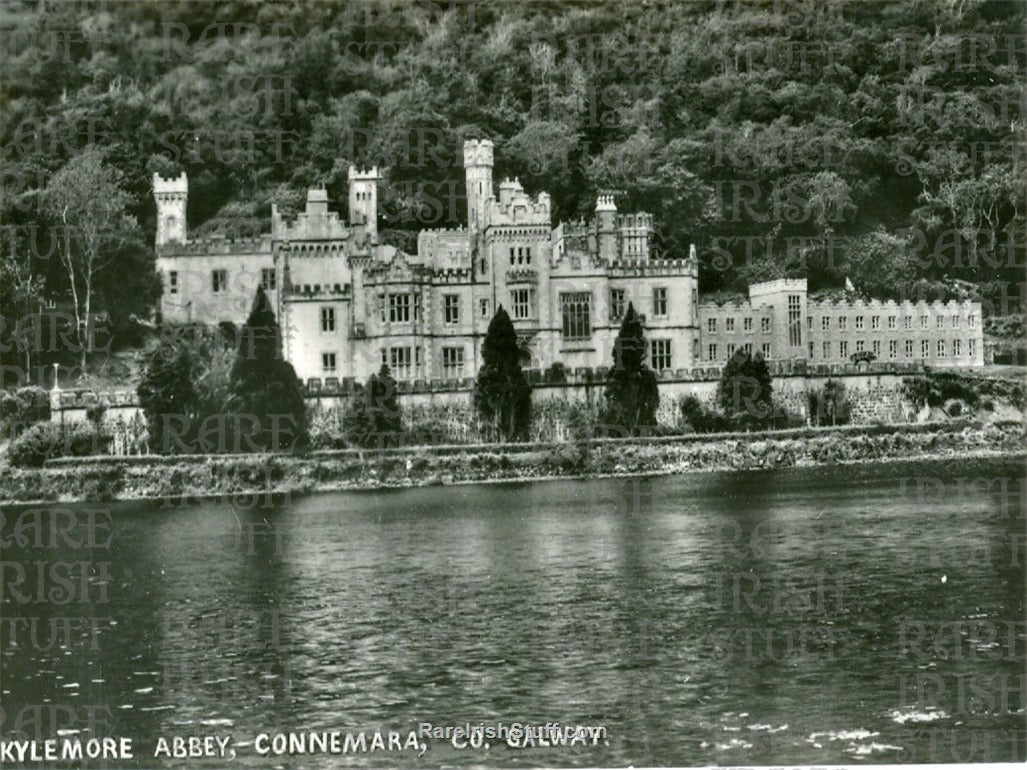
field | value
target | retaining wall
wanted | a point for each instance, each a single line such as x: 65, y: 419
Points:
x: 874, y: 395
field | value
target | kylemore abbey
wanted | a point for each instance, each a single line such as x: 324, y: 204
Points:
x: 348, y: 302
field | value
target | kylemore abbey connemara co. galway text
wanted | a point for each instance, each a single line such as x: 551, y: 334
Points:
x: 349, y: 302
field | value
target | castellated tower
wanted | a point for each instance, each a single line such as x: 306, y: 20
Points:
x: 363, y: 199
x: 478, y: 168
x: 606, y: 226
x: 171, y: 196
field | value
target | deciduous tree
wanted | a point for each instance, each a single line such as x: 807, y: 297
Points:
x: 88, y: 200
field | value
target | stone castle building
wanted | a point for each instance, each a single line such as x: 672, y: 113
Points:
x: 348, y: 302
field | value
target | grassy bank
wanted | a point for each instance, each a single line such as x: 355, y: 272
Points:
x: 109, y: 478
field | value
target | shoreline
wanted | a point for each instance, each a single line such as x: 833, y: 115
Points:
x: 212, y: 478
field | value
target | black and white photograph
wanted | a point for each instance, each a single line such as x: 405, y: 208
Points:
x: 513, y: 384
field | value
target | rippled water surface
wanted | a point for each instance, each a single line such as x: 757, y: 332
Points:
x: 798, y: 616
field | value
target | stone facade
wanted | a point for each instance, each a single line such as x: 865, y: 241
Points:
x: 348, y: 302
x: 780, y: 321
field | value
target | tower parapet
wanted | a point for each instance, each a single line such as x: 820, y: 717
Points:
x: 479, y: 152
x: 171, y: 196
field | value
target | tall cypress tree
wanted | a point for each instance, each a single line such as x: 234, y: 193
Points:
x: 264, y: 386
x: 632, y: 394
x: 746, y: 390
x: 374, y: 417
x: 501, y: 392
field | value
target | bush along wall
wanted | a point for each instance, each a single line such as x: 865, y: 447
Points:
x: 254, y: 477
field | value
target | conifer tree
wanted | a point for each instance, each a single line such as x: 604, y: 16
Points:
x: 632, y: 394
x: 502, y: 395
x: 745, y: 391
x: 374, y: 417
x: 264, y: 386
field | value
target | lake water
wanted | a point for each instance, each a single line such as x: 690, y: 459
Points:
x: 860, y: 614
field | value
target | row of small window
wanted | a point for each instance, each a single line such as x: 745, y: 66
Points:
x: 907, y: 321
x: 732, y: 348
x: 396, y: 308
x: 219, y: 280
x: 661, y: 306
x: 520, y: 255
x: 661, y: 353
x: 575, y: 308
x: 399, y: 308
x: 729, y: 325
x: 941, y: 349
x: 405, y: 362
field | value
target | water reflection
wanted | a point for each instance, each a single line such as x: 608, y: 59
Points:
x: 742, y: 618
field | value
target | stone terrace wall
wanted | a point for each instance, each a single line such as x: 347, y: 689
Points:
x: 873, y: 390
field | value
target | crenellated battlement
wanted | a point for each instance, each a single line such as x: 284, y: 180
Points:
x: 641, y: 220
x: 170, y: 186
x: 302, y: 291
x: 516, y: 207
x: 713, y: 305
x: 653, y: 267
x: 890, y: 304
x: 364, y: 175
x: 451, y: 275
x: 479, y: 152
x: 217, y: 246
x: 793, y: 285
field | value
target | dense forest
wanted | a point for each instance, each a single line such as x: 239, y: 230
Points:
x: 879, y: 142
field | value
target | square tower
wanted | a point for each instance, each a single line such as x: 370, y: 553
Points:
x: 787, y: 299
x: 363, y: 199
x: 478, y: 162
x: 171, y: 196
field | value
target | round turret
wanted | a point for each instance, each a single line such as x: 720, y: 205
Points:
x: 478, y: 152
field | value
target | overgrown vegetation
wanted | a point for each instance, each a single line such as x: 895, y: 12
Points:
x: 21, y: 409
x: 253, y: 480
x: 47, y: 440
x: 373, y: 416
x: 217, y: 390
x: 936, y: 388
x: 701, y: 418
x: 830, y: 405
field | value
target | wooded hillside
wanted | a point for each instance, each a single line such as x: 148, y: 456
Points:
x: 879, y: 141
